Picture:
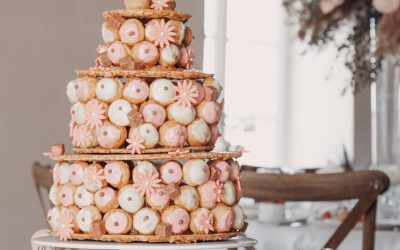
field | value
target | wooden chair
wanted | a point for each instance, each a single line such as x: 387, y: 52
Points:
x: 43, y: 180
x: 365, y: 186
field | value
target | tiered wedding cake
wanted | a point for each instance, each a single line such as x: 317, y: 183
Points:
x: 143, y: 125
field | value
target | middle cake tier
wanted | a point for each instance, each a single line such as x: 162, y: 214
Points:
x: 135, y: 114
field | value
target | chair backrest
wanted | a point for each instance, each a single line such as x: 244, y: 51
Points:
x: 363, y: 185
x: 43, y: 180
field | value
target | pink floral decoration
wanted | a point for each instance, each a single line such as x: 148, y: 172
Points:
x: 94, y: 113
x: 206, y: 222
x: 65, y: 225
x: 72, y: 127
x: 163, y: 33
x: 159, y: 4
x: 219, y: 191
x: 191, y: 56
x: 147, y: 182
x: 82, y: 137
x: 186, y: 93
x: 94, y: 177
x: 136, y: 144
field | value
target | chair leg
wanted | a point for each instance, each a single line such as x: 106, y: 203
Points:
x: 369, y: 228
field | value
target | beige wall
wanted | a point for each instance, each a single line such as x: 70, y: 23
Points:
x: 41, y: 43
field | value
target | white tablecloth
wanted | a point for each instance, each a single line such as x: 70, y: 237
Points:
x: 313, y: 237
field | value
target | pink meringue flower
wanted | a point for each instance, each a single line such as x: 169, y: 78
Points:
x: 187, y: 93
x: 82, y: 137
x: 159, y: 4
x: 163, y: 33
x: 94, y: 113
x: 219, y: 191
x: 206, y: 222
x: 65, y: 225
x: 94, y: 177
x: 147, y: 182
x: 136, y: 144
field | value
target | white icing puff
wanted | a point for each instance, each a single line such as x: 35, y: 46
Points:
x: 82, y: 197
x: 117, y: 222
x: 171, y: 172
x: 173, y: 134
x: 148, y: 133
x: 178, y: 217
x: 211, y: 82
x: 162, y: 91
x: 188, y: 199
x: 223, y: 218
x: 129, y: 199
x: 149, y: 30
x: 93, y: 178
x: 137, y: 4
x: 78, y: 113
x: 117, y: 51
x: 145, y: 221
x: 53, y: 195
x: 229, y: 193
x: 196, y: 172
x: 110, y: 135
x: 238, y: 222
x: 76, y: 172
x: 52, y: 217
x: 118, y: 112
x: 109, y: 33
x: 131, y: 31
x: 169, y: 55
x: 106, y: 199
x: 143, y: 167
x: 201, y: 221
x: 145, y: 53
x: 61, y: 172
x: 181, y: 114
x: 179, y: 29
x: 153, y: 113
x: 109, y: 89
x: 117, y: 174
x: 85, y: 218
x: 136, y: 91
x: 66, y: 195
x: 235, y: 170
x: 199, y: 134
x: 81, y: 89
x: 159, y: 199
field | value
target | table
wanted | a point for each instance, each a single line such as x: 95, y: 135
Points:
x: 313, y: 236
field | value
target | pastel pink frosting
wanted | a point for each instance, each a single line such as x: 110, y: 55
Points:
x: 200, y: 93
x: 136, y: 89
x: 154, y: 114
x: 179, y: 219
x: 171, y: 172
x: 107, y: 135
x: 129, y: 33
x: 225, y: 169
x: 147, y: 52
x: 82, y: 89
x: 225, y: 222
x: 104, y: 196
x: 211, y: 112
x: 176, y: 136
x: 113, y: 173
x: 160, y: 197
x: 76, y: 174
x: 208, y: 194
x: 66, y: 196
x: 116, y: 52
x: 116, y: 223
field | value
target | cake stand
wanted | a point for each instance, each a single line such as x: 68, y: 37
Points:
x: 42, y: 239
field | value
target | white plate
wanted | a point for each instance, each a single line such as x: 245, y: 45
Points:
x: 50, y: 241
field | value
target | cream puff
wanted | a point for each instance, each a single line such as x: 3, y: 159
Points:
x: 106, y: 199
x: 137, y: 4
x: 224, y: 167
x: 81, y: 89
x: 229, y: 193
x: 171, y: 172
x: 153, y: 113
x: 235, y: 170
x: 109, y: 89
x: 110, y: 135
x: 84, y: 137
x: 240, y: 217
x: 61, y: 173
x: 209, y: 193
x: 145, y: 53
x: 74, y: 210
x: 148, y: 133
x: 211, y: 82
x: 163, y: 4
x: 109, y: 33
x: 199, y: 134
x: 52, y: 217
x: 76, y: 172
x: 145, y: 221
x: 200, y: 93
x: 196, y: 172
x: 214, y: 134
x: 149, y: 30
x: 178, y: 217
x: 179, y: 29
x: 93, y: 178
x: 86, y: 216
x: 201, y: 221
x: 238, y: 188
x: 117, y: 51
x: 173, y: 134
x: 223, y: 218
x: 78, y: 113
x: 143, y: 167
x: 66, y: 195
x: 82, y: 197
x: 186, y: 60
x: 117, y: 173
x: 117, y: 222
x: 162, y: 91
x: 129, y: 199
x: 209, y: 111
x: 131, y: 32
x: 181, y: 114
x: 188, y: 39
x: 188, y: 199
x: 136, y: 90
x: 118, y: 112
x: 159, y: 199
x: 169, y: 55
x: 54, y: 195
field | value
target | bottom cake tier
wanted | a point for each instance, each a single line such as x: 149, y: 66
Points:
x: 172, y: 200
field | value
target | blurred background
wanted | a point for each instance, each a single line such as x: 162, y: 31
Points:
x: 287, y: 109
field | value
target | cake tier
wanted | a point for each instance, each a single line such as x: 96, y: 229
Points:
x: 148, y: 14
x: 157, y: 198
x: 124, y: 111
